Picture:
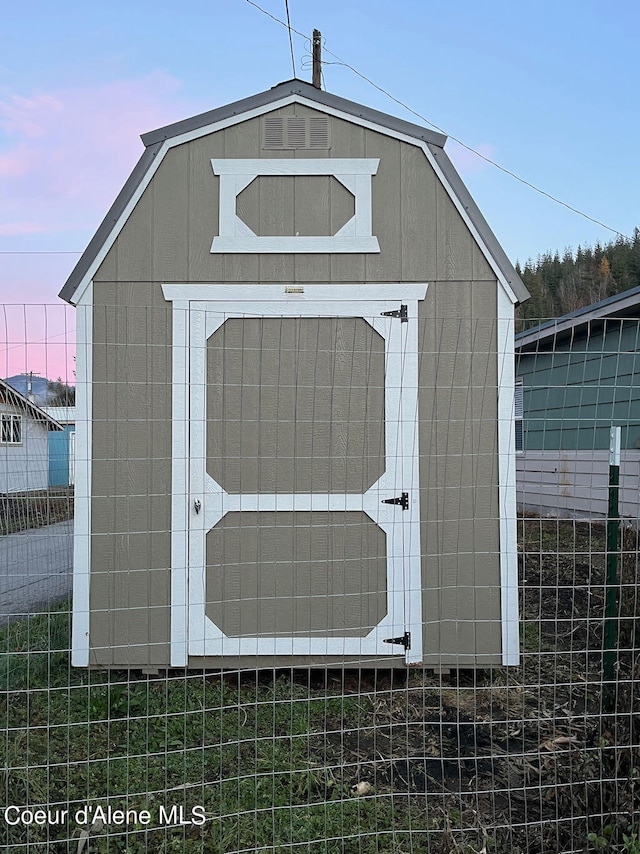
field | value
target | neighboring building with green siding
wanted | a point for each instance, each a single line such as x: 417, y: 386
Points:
x: 580, y: 376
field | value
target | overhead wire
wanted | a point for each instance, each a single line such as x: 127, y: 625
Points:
x: 293, y: 61
x: 400, y: 103
x: 273, y: 17
x: 440, y: 130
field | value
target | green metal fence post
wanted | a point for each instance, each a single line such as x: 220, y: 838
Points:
x: 610, y: 640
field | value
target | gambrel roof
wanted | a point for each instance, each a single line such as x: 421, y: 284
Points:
x: 293, y: 91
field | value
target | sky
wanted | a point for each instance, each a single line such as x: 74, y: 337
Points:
x: 548, y: 90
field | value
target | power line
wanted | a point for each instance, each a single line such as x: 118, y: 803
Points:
x: 422, y: 118
x: 293, y: 61
x: 450, y: 136
x: 273, y: 17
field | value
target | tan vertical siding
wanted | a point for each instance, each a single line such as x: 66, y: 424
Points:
x: 418, y: 233
x: 387, y: 189
x: 297, y: 574
x: 168, y: 239
x: 202, y: 212
x: 278, y: 205
x: 171, y: 221
x: 459, y: 472
x: 135, y: 244
x: 131, y: 476
x: 453, y: 241
x: 295, y: 405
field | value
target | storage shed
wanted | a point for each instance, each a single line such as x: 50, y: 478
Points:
x: 294, y: 432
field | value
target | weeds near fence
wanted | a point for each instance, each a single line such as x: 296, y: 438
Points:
x: 518, y: 760
x: 21, y: 511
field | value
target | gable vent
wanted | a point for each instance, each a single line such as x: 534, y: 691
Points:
x: 280, y: 132
x: 296, y: 133
x: 318, y: 133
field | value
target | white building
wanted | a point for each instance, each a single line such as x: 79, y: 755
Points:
x: 24, y: 442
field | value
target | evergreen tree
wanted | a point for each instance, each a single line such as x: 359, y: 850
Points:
x: 559, y: 285
x: 60, y: 394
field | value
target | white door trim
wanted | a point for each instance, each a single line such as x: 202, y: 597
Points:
x: 196, y: 317
x: 82, y: 476
x: 507, y: 483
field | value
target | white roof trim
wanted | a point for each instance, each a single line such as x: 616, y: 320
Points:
x: 609, y: 308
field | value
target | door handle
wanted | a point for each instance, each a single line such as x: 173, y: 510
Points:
x: 197, y: 504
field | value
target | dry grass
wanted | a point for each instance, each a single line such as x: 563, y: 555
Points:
x: 538, y: 759
x: 20, y: 511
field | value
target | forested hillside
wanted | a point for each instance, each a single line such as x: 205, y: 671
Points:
x: 559, y: 284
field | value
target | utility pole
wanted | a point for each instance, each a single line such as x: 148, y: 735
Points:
x: 30, y: 395
x: 316, y: 79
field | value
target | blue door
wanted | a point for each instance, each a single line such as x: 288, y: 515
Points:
x: 59, y: 442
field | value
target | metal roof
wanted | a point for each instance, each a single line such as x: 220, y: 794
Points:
x: 625, y: 303
x: 62, y: 414
x: 283, y: 90
x: 155, y: 140
x: 19, y: 400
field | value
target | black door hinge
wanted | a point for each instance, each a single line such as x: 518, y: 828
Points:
x: 402, y: 500
x: 404, y: 641
x: 401, y: 312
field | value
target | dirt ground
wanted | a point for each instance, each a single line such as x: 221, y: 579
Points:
x: 540, y: 758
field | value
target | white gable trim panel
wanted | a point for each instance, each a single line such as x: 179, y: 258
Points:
x: 353, y: 173
x: 181, y: 139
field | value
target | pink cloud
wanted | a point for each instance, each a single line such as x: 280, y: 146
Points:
x: 24, y: 116
x: 17, y: 162
x: 12, y: 229
x: 38, y: 338
x: 64, y: 155
x: 465, y: 161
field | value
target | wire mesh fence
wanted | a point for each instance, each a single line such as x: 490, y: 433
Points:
x: 306, y: 753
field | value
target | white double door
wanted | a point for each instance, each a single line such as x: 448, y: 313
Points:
x: 389, y: 505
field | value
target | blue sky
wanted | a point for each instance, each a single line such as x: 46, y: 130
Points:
x: 547, y: 89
